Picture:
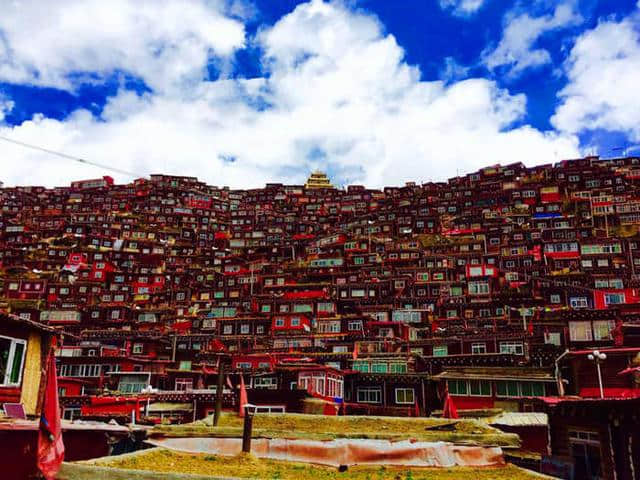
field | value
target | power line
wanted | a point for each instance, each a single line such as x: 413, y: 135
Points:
x: 70, y: 157
x: 88, y: 162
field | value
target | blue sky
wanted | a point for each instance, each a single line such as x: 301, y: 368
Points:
x: 242, y: 92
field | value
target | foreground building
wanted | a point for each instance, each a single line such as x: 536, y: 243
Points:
x: 497, y: 285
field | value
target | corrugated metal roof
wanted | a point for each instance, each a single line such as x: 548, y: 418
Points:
x: 519, y: 419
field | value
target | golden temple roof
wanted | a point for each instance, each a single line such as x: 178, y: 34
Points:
x: 318, y: 179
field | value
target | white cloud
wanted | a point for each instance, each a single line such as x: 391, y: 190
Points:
x: 604, y: 73
x: 453, y: 71
x: 516, y: 48
x: 462, y: 7
x: 339, y: 93
x: 164, y: 42
x: 6, y: 106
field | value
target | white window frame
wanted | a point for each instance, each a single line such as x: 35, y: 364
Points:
x: 12, y: 351
x: 512, y: 347
x: 405, y: 391
x: 363, y: 394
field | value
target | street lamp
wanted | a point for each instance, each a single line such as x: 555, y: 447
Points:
x: 598, y: 358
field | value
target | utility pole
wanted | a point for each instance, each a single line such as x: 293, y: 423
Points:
x: 219, y: 387
x: 247, y: 431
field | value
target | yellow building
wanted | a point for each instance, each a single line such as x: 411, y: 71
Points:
x: 318, y: 180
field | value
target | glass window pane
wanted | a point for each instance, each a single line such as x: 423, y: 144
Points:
x: 501, y: 387
x: 475, y: 387
x: 5, y: 348
x: 485, y: 388
x: 537, y: 389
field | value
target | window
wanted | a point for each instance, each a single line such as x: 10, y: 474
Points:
x: 506, y: 388
x: 440, y: 350
x: 555, y: 298
x: 244, y: 328
x: 183, y: 384
x: 510, y: 388
x: 405, y: 396
x: 71, y: 413
x: 478, y: 348
x: 369, y: 395
x: 455, y: 291
x: 515, y: 348
x: 398, y: 367
x: 279, y: 322
x: 580, y: 331
x: 295, y: 321
x: 185, y: 365
x: 586, y: 453
x: 578, y: 302
x: 616, y: 283
x: 532, y: 389
x: 480, y: 388
x: 302, y: 307
x: 614, y: 298
x: 12, y: 352
x: 138, y: 347
x: 379, y: 368
x: 354, y: 326
x: 478, y: 288
x: 602, y: 329
x: 361, y: 366
x: 243, y: 365
x: 265, y: 382
x: 458, y: 387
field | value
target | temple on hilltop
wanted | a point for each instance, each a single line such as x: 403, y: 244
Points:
x: 318, y: 179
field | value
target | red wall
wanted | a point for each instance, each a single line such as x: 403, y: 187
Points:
x: 470, y: 403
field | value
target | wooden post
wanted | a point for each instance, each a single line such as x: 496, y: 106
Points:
x: 219, y: 388
x: 247, y: 431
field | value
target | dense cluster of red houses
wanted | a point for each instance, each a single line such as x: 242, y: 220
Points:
x: 496, y: 286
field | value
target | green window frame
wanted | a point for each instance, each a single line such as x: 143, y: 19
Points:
x: 398, y: 367
x: 440, y: 350
x: 379, y: 368
x: 458, y: 387
x: 480, y: 388
x: 361, y: 366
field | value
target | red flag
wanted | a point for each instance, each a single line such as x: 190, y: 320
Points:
x: 243, y: 396
x: 449, y: 409
x: 356, y: 349
x: 50, y: 445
